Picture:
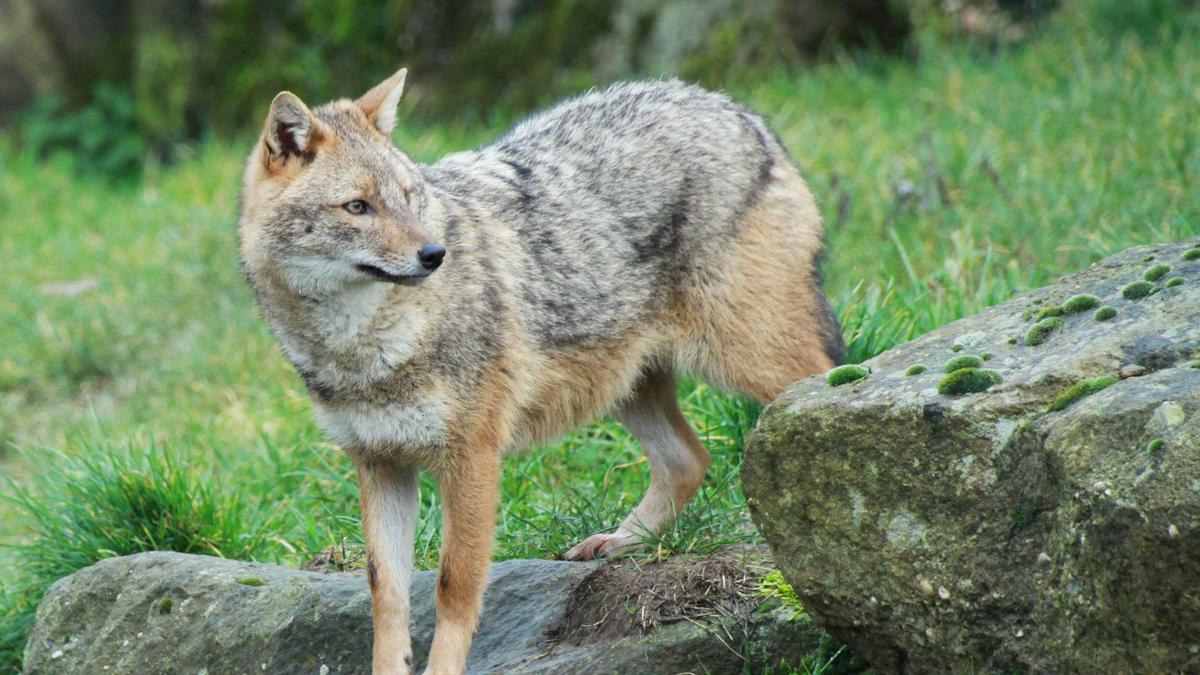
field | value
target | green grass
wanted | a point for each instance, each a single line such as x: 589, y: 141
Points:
x: 948, y: 182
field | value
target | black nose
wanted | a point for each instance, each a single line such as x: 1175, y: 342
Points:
x: 431, y: 256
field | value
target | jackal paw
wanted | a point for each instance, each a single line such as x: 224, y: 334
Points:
x: 603, y: 545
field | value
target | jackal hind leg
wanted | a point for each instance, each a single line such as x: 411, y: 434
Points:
x: 677, y: 460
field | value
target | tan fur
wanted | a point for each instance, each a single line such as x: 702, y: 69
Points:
x: 448, y: 370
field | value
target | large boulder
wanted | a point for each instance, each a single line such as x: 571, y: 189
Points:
x: 1039, y: 525
x: 177, y: 613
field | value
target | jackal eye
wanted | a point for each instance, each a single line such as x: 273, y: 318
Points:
x: 357, y: 207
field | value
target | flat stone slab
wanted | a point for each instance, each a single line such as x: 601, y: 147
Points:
x: 179, y: 613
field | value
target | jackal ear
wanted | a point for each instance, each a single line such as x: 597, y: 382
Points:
x: 379, y: 104
x: 291, y: 129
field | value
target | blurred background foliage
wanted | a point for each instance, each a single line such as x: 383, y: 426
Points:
x: 113, y: 81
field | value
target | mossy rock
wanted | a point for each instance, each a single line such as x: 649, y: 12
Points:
x: 945, y: 532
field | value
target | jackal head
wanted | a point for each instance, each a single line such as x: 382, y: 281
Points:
x: 329, y: 202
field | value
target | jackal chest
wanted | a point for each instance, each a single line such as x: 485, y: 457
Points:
x: 416, y: 426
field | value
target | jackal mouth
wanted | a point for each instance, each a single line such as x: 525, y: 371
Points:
x: 383, y: 275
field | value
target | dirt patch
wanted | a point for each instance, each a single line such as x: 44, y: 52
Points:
x: 339, y: 558
x: 631, y: 597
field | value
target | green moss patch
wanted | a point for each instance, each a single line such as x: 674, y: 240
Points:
x: 1192, y: 254
x: 1155, y: 445
x: 1048, y: 312
x: 846, y: 375
x: 1041, y: 330
x: 968, y: 381
x: 1105, y: 313
x: 986, y: 356
x: 915, y: 369
x: 964, y: 361
x: 1156, y: 272
x: 164, y: 605
x: 251, y: 581
x: 1080, y: 390
x: 1080, y: 303
x: 774, y: 587
x: 1137, y: 290
x: 956, y: 348
x: 1012, y: 340
x: 1173, y: 282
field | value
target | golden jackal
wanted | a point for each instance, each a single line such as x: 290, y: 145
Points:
x: 444, y: 315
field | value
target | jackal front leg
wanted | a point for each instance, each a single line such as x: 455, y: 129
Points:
x: 470, y: 492
x: 388, y: 496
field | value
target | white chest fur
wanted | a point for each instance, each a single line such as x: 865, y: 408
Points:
x: 414, y: 427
